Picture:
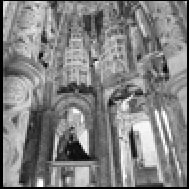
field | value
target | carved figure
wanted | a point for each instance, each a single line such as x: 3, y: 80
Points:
x: 69, y: 148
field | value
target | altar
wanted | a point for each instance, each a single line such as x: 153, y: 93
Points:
x: 71, y: 174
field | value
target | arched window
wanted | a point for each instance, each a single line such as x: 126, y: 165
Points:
x: 136, y: 142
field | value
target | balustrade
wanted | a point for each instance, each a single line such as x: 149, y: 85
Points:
x: 69, y: 173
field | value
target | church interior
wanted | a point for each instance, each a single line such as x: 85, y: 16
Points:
x: 94, y: 93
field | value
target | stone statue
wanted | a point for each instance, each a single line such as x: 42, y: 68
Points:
x: 69, y: 148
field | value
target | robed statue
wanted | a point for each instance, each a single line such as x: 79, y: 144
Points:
x: 70, y: 149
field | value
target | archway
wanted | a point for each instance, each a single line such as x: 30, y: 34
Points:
x: 169, y: 172
x: 73, y: 118
x: 82, y: 103
x: 75, y: 111
x: 130, y: 127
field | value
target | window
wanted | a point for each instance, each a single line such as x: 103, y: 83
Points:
x: 108, y: 63
x: 139, y: 56
x: 119, y: 49
x: 83, y: 76
x: 115, y: 57
x: 121, y: 31
x: 121, y: 56
x: 69, y: 60
x: 40, y: 182
x: 113, y: 50
x: 108, y: 34
x: 68, y: 75
x: 119, y: 41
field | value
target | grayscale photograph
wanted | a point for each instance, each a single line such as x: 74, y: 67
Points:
x: 94, y: 93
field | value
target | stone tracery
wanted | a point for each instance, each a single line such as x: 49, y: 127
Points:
x: 132, y: 49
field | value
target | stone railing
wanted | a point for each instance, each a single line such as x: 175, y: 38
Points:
x: 71, y: 173
x: 146, y: 175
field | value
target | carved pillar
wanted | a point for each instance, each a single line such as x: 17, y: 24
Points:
x: 178, y: 130
x: 124, y: 124
x: 171, y: 143
x: 177, y: 85
x: 17, y: 98
x: 166, y: 147
x: 9, y: 14
x: 176, y: 110
x: 146, y: 29
x: 21, y: 76
x: 165, y: 166
x: 167, y: 25
x: 26, y: 35
x: 129, y: 169
x: 180, y: 12
x: 46, y: 143
x: 114, y: 126
x: 102, y: 144
x: 110, y: 143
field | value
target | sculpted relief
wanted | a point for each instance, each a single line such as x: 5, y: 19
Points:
x: 15, y: 94
x: 167, y: 27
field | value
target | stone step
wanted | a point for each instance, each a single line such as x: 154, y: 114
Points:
x: 150, y: 185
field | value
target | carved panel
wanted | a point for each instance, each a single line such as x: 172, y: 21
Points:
x: 83, y: 103
x: 167, y: 27
x: 14, y: 134
x: 9, y: 9
x: 14, y: 90
x: 28, y: 28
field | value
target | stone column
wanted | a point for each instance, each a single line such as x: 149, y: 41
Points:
x: 129, y: 169
x: 180, y: 12
x: 17, y: 98
x: 124, y: 124
x: 5, y: 6
x: 21, y: 76
x: 171, y: 143
x: 114, y: 127
x: 178, y: 131
x: 26, y: 35
x: 146, y: 29
x: 46, y: 144
x: 163, y: 160
x: 110, y: 142
x: 168, y: 26
x: 9, y: 14
x: 177, y: 84
x: 102, y: 144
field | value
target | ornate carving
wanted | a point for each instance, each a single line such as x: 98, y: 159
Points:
x: 28, y: 28
x: 14, y: 140
x: 16, y: 100
x: 14, y: 90
x: 74, y: 88
x: 167, y: 27
x: 83, y: 7
x: 9, y: 9
x: 64, y: 125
